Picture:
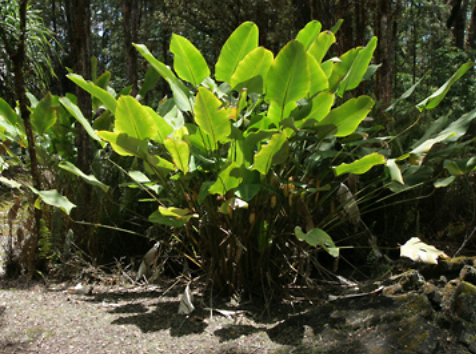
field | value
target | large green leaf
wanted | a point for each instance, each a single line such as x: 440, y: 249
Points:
x: 242, y: 41
x: 229, y: 178
x: 435, y: 99
x: 125, y: 145
x: 360, y: 166
x: 74, y: 110
x: 181, y: 93
x: 345, y: 119
x: 341, y: 67
x: 318, y: 237
x: 134, y: 119
x: 210, y: 118
x: 460, y: 167
x: 358, y: 69
x: 321, y: 45
x: 265, y: 158
x: 8, y: 113
x: 321, y: 106
x: 319, y: 81
x: 394, y: 171
x: 53, y: 198
x: 44, y: 115
x: 251, y: 72
x: 106, y: 98
x: 309, y: 33
x: 189, y: 63
x: 90, y: 179
x: 180, y: 153
x: 459, y: 127
x: 289, y: 78
x: 163, y: 128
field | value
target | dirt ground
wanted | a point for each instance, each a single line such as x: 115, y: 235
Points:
x: 144, y: 319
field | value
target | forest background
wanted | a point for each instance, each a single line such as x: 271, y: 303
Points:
x: 421, y: 45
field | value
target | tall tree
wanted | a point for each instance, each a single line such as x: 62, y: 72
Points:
x: 131, y: 24
x: 457, y: 21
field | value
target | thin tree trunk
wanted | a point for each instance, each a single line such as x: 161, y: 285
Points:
x: 457, y: 21
x: 471, y: 35
x: 18, y: 62
x: 130, y: 11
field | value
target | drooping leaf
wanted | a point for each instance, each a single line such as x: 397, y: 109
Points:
x: 232, y: 204
x: 251, y: 72
x: 180, y: 153
x: 360, y: 166
x: 74, y: 110
x: 242, y: 41
x: 394, y: 171
x: 181, y: 93
x: 340, y: 68
x: 134, y: 119
x: 189, y: 63
x: 106, y: 98
x: 460, y: 167
x: 435, y: 99
x: 44, y: 115
x: 321, y: 45
x: 309, y: 33
x: 321, y: 106
x: 347, y: 117
x: 210, y: 118
x: 421, y: 252
x: 53, y: 198
x: 288, y: 79
x: 264, y: 159
x: 172, y: 216
x: 90, y: 179
x: 358, y: 69
x: 125, y: 145
x: 318, y: 237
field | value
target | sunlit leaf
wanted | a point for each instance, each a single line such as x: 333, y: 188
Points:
x: 53, y: 198
x: 265, y: 158
x: 360, y: 166
x: 106, y: 98
x: 321, y: 45
x: 309, y: 33
x: 90, y: 179
x: 242, y: 41
x: 189, y: 63
x: 420, y: 252
x: 43, y: 116
x: 251, y: 72
x: 180, y: 153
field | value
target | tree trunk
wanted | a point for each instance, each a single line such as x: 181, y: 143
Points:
x: 18, y: 62
x: 130, y: 12
x: 471, y: 35
x: 457, y: 21
x: 385, y: 22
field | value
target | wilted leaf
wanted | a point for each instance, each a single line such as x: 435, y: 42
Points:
x: 420, y: 252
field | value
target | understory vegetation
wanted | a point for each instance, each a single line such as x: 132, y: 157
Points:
x: 256, y: 173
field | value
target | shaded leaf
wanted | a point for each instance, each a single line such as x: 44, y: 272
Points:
x: 90, y: 179
x: 318, y: 237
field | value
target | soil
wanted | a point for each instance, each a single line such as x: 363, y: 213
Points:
x: 403, y: 317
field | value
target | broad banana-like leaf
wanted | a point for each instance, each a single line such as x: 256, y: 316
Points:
x: 134, y: 119
x: 421, y: 252
x: 309, y: 33
x: 8, y: 113
x: 318, y: 237
x: 105, y: 97
x: 124, y: 144
x: 90, y: 179
x: 242, y: 41
x: 341, y: 67
x: 288, y: 79
x: 33, y: 100
x: 180, y: 153
x: 189, y: 63
x: 53, y: 198
x: 360, y: 166
x: 229, y: 178
x: 408, y: 92
x: 163, y: 128
x: 422, y: 149
x: 232, y: 204
x: 321, y: 106
x: 459, y: 127
x: 435, y: 99
x: 210, y: 118
x: 358, y: 69
x: 266, y: 157
x: 251, y: 72
x: 321, y: 45
x: 181, y: 93
x: 74, y: 110
x: 43, y: 116
x: 346, y: 118
x: 319, y: 81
